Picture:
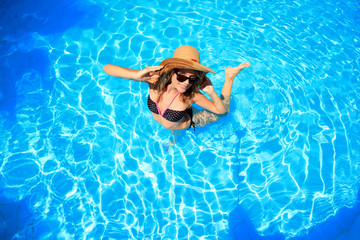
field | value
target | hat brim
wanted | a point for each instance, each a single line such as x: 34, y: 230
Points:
x: 171, y: 63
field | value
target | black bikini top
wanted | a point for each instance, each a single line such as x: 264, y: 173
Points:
x: 168, y: 114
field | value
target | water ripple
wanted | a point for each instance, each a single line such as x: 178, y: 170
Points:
x: 94, y: 162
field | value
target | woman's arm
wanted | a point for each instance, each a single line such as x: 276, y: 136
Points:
x: 144, y: 75
x: 216, y: 105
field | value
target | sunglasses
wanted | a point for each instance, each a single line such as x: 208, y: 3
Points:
x: 182, y: 78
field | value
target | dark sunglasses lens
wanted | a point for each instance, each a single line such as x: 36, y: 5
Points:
x: 182, y: 78
x: 193, y: 79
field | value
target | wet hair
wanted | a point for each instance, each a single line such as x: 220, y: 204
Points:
x: 165, y: 79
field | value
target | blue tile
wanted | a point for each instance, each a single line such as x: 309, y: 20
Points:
x: 240, y: 233
x: 353, y: 232
x: 328, y: 230
x: 345, y: 218
x: 356, y: 208
x: 15, y: 216
x: 315, y: 235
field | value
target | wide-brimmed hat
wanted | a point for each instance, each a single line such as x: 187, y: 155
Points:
x: 185, y: 57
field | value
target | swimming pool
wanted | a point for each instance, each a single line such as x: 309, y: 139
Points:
x: 81, y: 157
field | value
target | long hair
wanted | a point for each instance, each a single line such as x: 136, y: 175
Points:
x: 165, y: 79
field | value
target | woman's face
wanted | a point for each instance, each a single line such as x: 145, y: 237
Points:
x: 185, y: 85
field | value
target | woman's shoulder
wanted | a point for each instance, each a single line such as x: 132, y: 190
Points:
x: 199, y: 98
x: 154, y: 94
x: 197, y: 95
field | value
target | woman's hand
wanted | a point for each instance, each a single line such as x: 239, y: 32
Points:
x: 207, y: 86
x: 147, y: 73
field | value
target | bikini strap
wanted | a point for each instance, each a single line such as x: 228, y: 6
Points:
x: 167, y: 106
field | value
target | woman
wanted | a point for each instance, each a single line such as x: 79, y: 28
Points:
x: 174, y: 87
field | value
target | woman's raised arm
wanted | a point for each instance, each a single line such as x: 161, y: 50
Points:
x: 216, y: 105
x: 131, y: 74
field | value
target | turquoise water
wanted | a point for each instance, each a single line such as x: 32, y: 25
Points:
x: 81, y: 156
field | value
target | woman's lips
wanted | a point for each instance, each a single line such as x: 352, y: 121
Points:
x: 184, y: 86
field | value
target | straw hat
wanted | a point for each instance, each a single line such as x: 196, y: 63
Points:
x: 185, y: 57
